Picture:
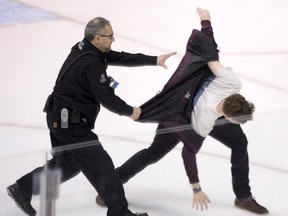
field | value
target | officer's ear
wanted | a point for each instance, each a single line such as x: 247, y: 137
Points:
x: 97, y: 38
x: 96, y: 41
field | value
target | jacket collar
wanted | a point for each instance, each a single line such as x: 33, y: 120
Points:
x: 87, y: 45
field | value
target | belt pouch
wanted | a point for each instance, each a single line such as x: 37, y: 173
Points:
x: 75, y: 117
x: 48, y: 103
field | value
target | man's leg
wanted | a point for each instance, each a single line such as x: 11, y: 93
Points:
x: 162, y: 144
x: 29, y: 184
x: 233, y: 137
x: 87, y: 154
x: 98, y: 168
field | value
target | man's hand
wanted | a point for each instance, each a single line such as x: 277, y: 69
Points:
x: 203, y: 14
x: 162, y: 58
x: 136, y: 113
x: 200, y: 200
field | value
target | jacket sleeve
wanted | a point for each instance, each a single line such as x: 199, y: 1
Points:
x: 207, y: 28
x: 128, y: 59
x: 99, y: 85
x: 192, y: 143
x: 190, y: 164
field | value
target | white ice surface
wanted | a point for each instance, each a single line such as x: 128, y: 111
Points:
x: 252, y: 36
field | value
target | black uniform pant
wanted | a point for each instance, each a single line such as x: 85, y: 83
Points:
x: 90, y: 158
x: 229, y: 134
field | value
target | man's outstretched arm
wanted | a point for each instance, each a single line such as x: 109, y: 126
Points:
x: 205, y: 20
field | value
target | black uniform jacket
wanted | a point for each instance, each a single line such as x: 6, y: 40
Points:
x: 174, y: 102
x: 83, y: 83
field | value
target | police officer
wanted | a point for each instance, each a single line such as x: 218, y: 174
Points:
x: 82, y: 85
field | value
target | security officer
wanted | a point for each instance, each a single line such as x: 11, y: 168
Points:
x: 82, y: 85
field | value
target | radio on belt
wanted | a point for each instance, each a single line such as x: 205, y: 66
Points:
x: 64, y: 117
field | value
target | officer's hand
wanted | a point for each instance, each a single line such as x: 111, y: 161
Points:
x: 136, y: 113
x: 162, y: 58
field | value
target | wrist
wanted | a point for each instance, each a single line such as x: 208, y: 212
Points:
x: 205, y: 23
x: 197, y: 190
x: 196, y: 187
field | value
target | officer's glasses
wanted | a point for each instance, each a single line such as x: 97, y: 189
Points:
x: 108, y: 36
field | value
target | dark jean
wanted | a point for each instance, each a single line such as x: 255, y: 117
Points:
x: 229, y: 134
x: 93, y: 161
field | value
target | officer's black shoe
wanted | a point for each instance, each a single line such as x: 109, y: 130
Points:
x: 140, y: 214
x: 23, y: 203
x: 129, y: 213
x: 100, y: 201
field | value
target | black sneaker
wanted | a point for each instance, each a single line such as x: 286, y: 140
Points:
x: 251, y: 205
x: 129, y: 213
x: 16, y: 194
x: 101, y: 202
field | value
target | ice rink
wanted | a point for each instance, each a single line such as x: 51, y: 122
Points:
x: 35, y: 38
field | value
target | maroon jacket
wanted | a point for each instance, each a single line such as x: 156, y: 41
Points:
x: 172, y: 107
